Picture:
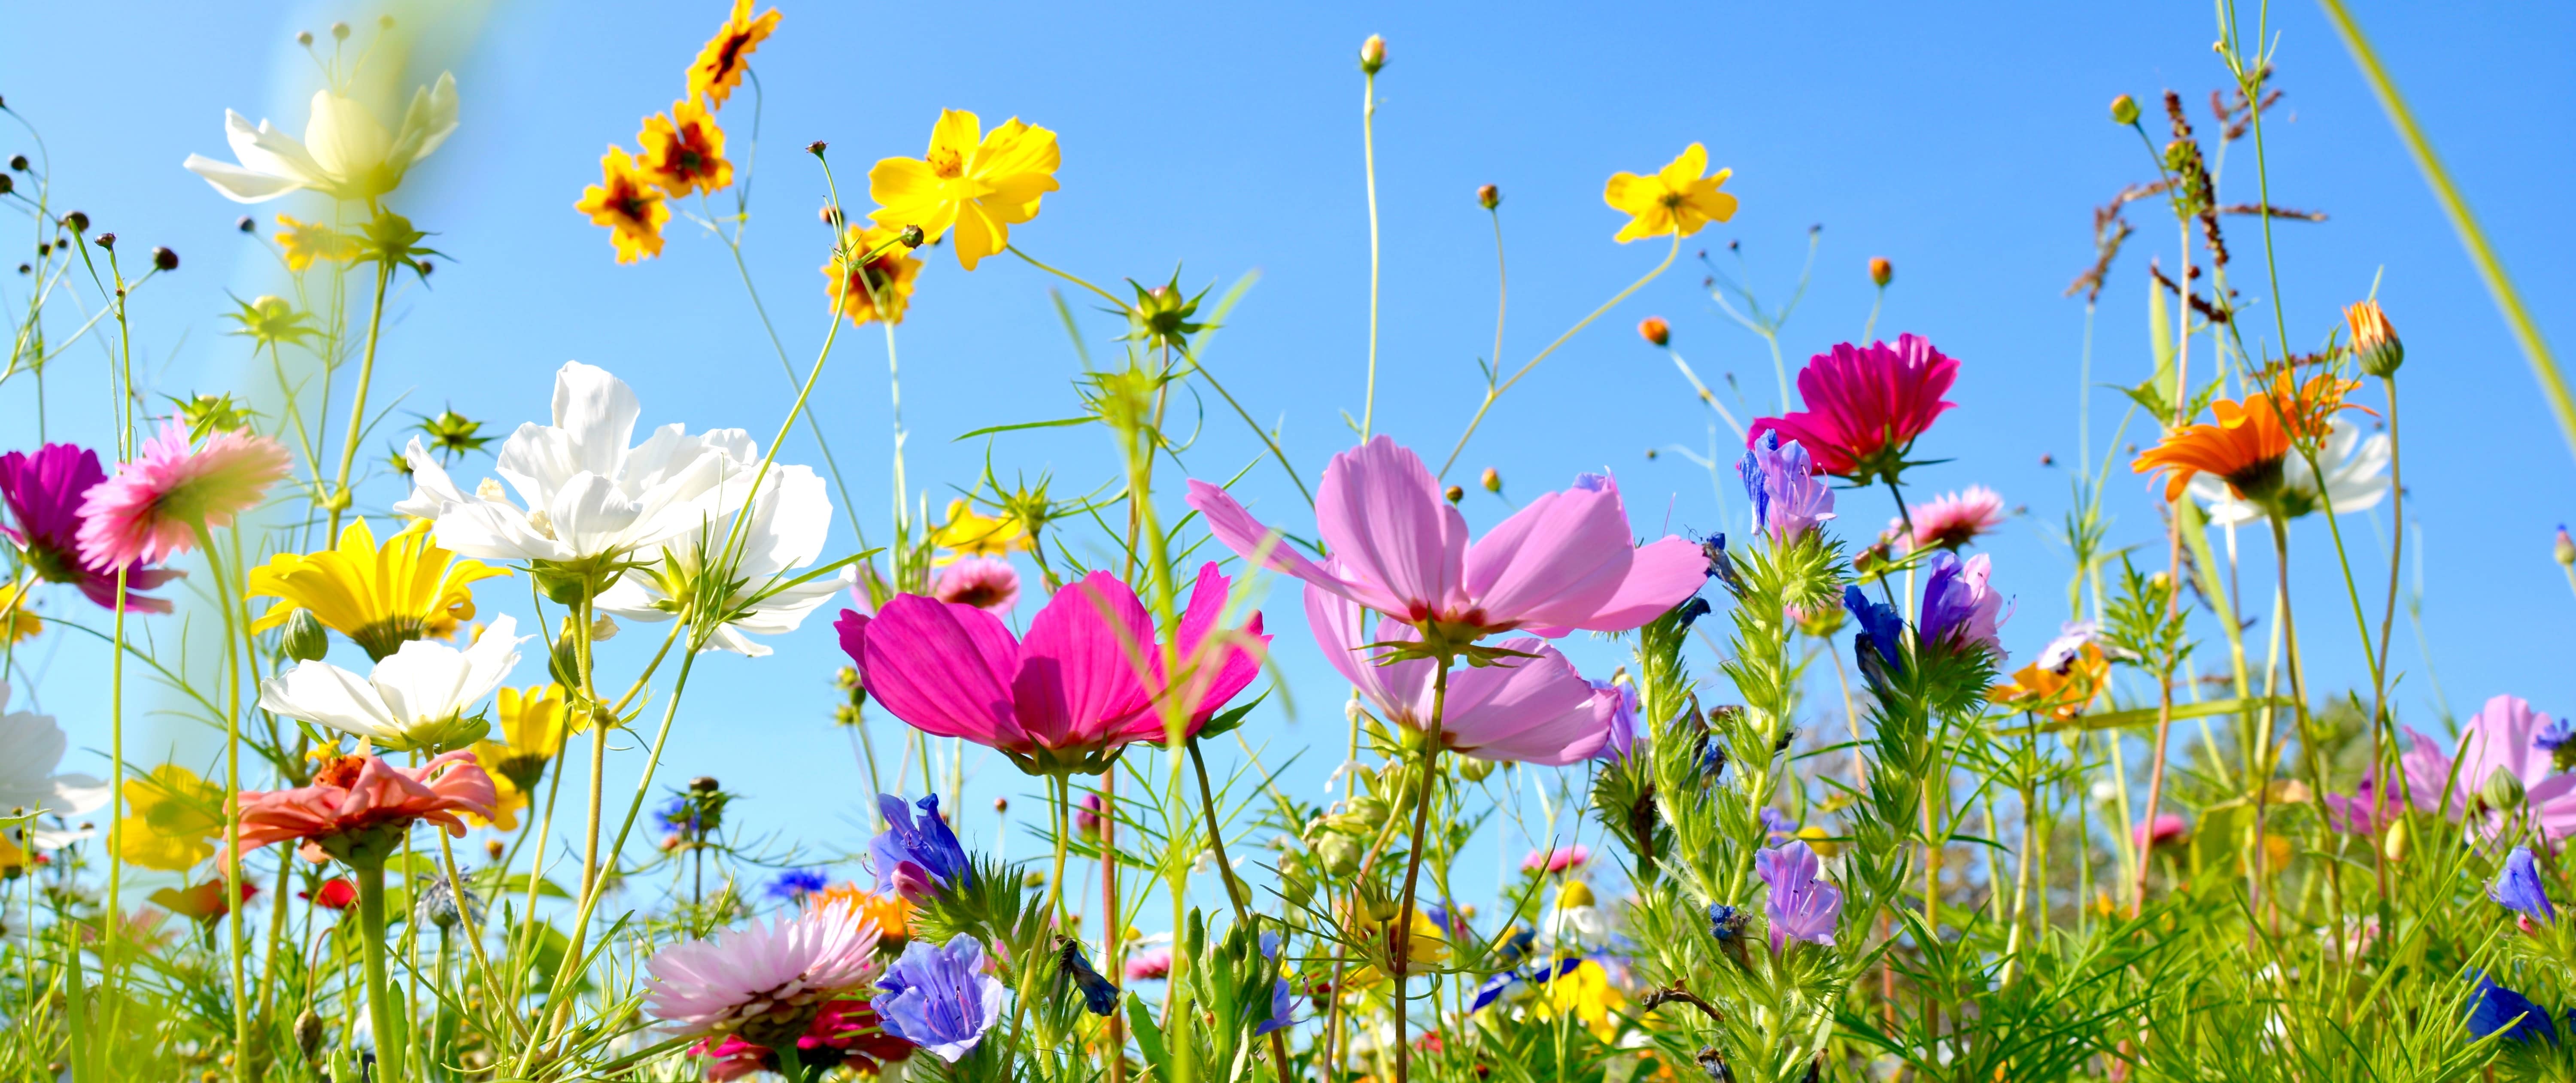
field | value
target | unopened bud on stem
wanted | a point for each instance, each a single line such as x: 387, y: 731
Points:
x: 1372, y: 54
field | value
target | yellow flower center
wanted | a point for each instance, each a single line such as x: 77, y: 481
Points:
x: 947, y: 164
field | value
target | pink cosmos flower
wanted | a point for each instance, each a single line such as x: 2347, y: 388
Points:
x: 2367, y: 810
x: 774, y: 976
x: 1556, y: 859
x: 44, y: 493
x: 1151, y: 965
x: 1865, y: 406
x: 983, y: 582
x: 1950, y: 520
x: 1087, y: 681
x: 1565, y: 561
x: 354, y: 794
x: 1530, y: 710
x: 154, y: 506
x: 2166, y: 827
x: 2498, y: 740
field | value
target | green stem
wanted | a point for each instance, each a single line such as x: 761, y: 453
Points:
x: 1368, y: 160
x: 340, y: 498
x: 371, y: 935
x: 1496, y: 392
x: 1401, y: 963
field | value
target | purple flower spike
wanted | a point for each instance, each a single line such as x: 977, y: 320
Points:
x: 916, y: 861
x: 1801, y: 906
x: 940, y: 998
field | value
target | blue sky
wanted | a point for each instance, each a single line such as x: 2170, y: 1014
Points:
x: 1966, y: 146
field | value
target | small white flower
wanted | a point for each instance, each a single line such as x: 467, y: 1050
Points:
x: 2356, y: 479
x: 345, y: 153
x: 790, y: 521
x: 416, y: 698
x: 589, y: 496
x: 31, y: 746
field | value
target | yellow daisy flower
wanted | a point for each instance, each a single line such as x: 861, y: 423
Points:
x: 720, y: 65
x: 1585, y: 993
x: 1675, y: 200
x: 381, y: 597
x: 626, y: 201
x: 532, y: 730
x: 980, y: 184
x: 889, y: 275
x: 1428, y: 946
x: 18, y: 620
x: 174, y: 821
x: 684, y: 151
x: 304, y: 242
x: 967, y: 534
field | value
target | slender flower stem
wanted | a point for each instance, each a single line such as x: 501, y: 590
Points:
x: 1368, y: 161
x: 2382, y: 720
x: 371, y: 938
x: 1495, y: 392
x: 1067, y: 276
x: 1401, y: 964
x: 339, y: 497
x: 2173, y: 569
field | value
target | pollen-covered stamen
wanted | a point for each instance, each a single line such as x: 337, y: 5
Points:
x: 946, y: 163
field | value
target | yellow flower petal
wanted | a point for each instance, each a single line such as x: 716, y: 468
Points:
x: 379, y: 596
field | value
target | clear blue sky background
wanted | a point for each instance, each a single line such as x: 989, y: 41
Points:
x: 1967, y: 145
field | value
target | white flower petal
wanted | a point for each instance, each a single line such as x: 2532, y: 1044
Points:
x: 598, y: 412
x: 344, y: 138
x: 238, y: 184
x: 327, y: 695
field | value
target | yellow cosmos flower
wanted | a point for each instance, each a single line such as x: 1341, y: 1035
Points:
x: 1584, y: 993
x: 12, y: 859
x: 1675, y: 200
x: 1427, y: 947
x: 381, y: 597
x: 720, y: 65
x: 532, y: 734
x: 175, y: 819
x: 626, y: 201
x: 684, y: 151
x: 889, y: 275
x: 18, y: 622
x: 305, y: 242
x: 980, y: 184
x: 967, y: 534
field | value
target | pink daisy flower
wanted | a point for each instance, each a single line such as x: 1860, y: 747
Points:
x: 1556, y: 858
x: 983, y: 582
x: 762, y: 980
x: 1153, y: 965
x: 1950, y: 520
x: 155, y: 506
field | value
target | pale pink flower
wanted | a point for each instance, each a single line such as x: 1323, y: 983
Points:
x: 1556, y: 859
x: 355, y: 794
x: 1530, y: 710
x: 2498, y: 740
x: 1565, y: 561
x: 1150, y: 965
x: 2164, y: 828
x: 775, y: 974
x: 154, y: 507
x: 1950, y: 520
x: 986, y: 583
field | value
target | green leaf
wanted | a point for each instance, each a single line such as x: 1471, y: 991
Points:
x: 2146, y: 716
x: 1227, y: 720
x: 1149, y: 1037
x: 1055, y: 424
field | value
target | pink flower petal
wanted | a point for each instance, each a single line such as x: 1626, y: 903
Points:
x: 1083, y: 665
x: 946, y: 669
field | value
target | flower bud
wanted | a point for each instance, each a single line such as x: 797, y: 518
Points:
x: 1001, y: 805
x: 2394, y: 846
x: 163, y: 259
x: 1881, y: 271
x: 384, y: 22
x: 1473, y: 769
x: 339, y: 31
x: 703, y: 784
x: 847, y: 679
x: 1372, y: 54
x: 2565, y: 548
x: 18, y: 162
x: 2124, y: 110
x: 308, y: 1033
x: 1492, y: 480
x: 831, y: 216
x: 246, y: 224
x: 912, y: 237
x: 2503, y: 790
x: 1455, y: 494
x: 2374, y: 342
x: 8, y: 184
x: 815, y: 148
x: 78, y: 221
x: 1488, y: 196
x: 304, y: 38
x: 493, y: 849
x: 1653, y: 329
x: 106, y: 241
x: 303, y: 638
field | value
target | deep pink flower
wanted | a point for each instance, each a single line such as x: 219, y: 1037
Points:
x: 1084, y: 684
x: 44, y: 493
x: 986, y: 583
x: 1950, y: 520
x: 846, y: 1033
x: 1865, y: 406
x: 1151, y: 965
x: 1556, y: 859
x: 2165, y: 828
x: 2499, y: 739
x: 1530, y: 710
x: 1563, y: 562
x: 154, y: 506
x: 352, y: 795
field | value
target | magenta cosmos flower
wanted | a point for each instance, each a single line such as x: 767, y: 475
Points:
x: 2499, y: 741
x: 154, y: 506
x: 44, y: 493
x: 1086, y: 682
x: 1564, y: 562
x: 1865, y: 406
x: 1529, y: 710
x: 765, y: 982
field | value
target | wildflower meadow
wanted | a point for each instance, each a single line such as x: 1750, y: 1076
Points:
x: 390, y: 696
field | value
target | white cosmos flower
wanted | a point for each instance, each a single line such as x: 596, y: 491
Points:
x: 31, y: 746
x: 589, y: 496
x: 417, y: 698
x: 2356, y: 479
x: 345, y: 153
x: 789, y: 521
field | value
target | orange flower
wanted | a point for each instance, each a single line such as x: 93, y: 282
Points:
x: 2374, y: 341
x: 684, y: 151
x: 887, y: 285
x: 2061, y: 696
x: 892, y: 915
x: 626, y: 201
x: 2251, y: 438
x: 719, y: 66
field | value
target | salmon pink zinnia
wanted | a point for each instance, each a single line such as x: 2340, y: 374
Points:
x: 155, y: 506
x: 353, y: 799
x: 1865, y: 406
x: 1565, y: 561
